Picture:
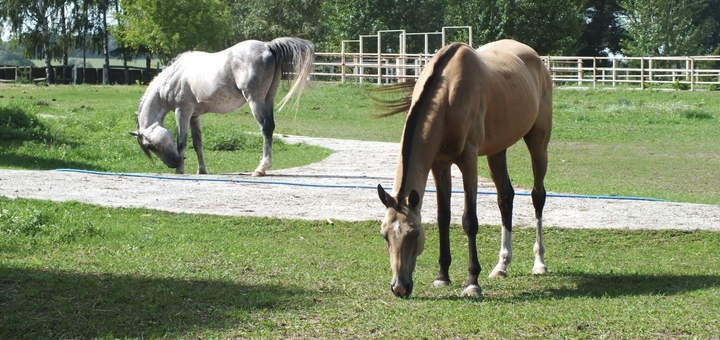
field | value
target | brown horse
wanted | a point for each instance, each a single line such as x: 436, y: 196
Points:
x: 467, y: 103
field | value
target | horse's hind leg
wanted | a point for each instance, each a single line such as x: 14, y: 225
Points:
x: 264, y: 117
x: 196, y: 132
x: 497, y: 164
x: 537, y: 141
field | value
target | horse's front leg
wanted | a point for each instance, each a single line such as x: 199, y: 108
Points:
x: 497, y: 164
x: 182, y: 119
x: 443, y: 184
x: 264, y: 116
x: 467, y: 163
x: 196, y: 132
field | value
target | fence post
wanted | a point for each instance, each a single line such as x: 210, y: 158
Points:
x: 692, y: 73
x: 361, y: 70
x: 580, y: 72
x: 594, y: 72
x: 642, y: 73
x: 614, y: 70
x: 342, y: 64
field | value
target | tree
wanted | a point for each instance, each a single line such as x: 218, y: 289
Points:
x: 603, y: 31
x: 167, y: 27
x: 268, y: 19
x: 665, y: 27
x: 485, y: 17
x: 348, y: 19
x: 712, y: 10
x: 30, y: 25
x: 550, y: 27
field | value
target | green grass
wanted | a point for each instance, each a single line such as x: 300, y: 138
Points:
x: 134, y: 273
x: 86, y: 127
x: 70, y: 270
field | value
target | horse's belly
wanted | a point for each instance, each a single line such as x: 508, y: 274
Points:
x: 505, y: 128
x: 221, y: 102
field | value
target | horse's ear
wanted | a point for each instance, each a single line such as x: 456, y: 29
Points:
x: 385, y: 198
x: 413, y: 199
x: 135, y: 133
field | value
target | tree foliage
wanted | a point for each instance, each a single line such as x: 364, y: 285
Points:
x: 168, y: 27
x: 266, y: 20
x: 666, y: 27
x: 603, y: 31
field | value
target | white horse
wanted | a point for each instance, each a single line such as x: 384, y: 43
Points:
x: 199, y: 82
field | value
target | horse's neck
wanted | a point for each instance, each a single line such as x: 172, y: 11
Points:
x: 151, y: 109
x: 419, y: 163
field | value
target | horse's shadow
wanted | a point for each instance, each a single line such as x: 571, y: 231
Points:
x: 610, y: 285
x: 46, y: 304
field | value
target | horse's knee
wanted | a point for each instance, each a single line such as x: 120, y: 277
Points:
x: 268, y: 127
x: 470, y: 224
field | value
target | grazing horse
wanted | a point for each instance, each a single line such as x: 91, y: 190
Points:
x: 466, y: 103
x: 199, y: 82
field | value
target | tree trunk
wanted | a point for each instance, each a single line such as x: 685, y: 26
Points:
x: 148, y: 60
x: 64, y: 45
x: 49, y: 72
x: 106, y: 66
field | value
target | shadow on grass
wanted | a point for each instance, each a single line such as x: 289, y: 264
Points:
x: 9, y: 159
x: 594, y: 286
x: 620, y: 285
x: 48, y: 304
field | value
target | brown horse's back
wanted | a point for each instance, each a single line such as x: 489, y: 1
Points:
x: 517, y: 92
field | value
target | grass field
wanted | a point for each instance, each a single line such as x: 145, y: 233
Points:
x: 70, y: 270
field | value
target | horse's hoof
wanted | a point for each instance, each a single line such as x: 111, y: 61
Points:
x: 258, y: 173
x: 539, y: 270
x: 440, y: 283
x: 472, y: 290
x: 498, y: 274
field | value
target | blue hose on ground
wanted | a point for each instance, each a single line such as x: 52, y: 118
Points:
x: 336, y: 186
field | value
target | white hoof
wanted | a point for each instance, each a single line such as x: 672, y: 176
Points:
x: 258, y: 173
x: 440, y: 283
x: 472, y: 290
x: 498, y: 274
x: 539, y: 270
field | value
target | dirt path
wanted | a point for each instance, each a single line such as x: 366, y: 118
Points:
x: 340, y: 187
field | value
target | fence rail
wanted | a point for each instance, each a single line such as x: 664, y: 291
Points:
x: 697, y: 72
x: 678, y: 72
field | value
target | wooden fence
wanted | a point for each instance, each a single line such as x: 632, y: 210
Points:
x: 697, y: 72
x: 77, y: 75
x: 584, y: 72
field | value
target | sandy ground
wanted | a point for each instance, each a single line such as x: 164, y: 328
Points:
x: 341, y: 187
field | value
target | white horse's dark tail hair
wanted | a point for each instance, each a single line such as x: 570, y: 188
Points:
x: 297, y: 56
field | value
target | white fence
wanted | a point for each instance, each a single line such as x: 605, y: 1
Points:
x: 691, y: 73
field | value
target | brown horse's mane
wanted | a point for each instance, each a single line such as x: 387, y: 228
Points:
x: 404, y: 104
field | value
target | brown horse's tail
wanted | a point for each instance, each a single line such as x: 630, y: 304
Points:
x: 294, y: 55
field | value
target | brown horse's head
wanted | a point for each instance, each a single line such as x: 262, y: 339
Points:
x: 404, y: 238
x: 159, y: 140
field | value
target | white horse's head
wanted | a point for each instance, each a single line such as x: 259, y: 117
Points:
x: 159, y: 140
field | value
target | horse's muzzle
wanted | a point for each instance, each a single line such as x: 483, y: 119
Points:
x: 401, y: 291
x: 173, y: 162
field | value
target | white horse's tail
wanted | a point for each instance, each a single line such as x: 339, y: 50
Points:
x: 294, y: 55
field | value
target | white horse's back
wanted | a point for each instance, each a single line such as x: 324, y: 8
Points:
x: 200, y: 82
